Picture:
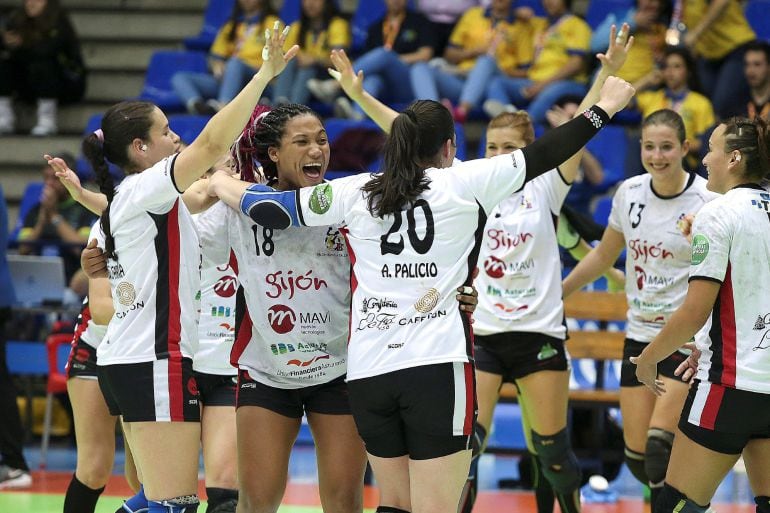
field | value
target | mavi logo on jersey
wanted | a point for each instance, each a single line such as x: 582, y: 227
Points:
x: 226, y: 286
x: 281, y: 318
x: 494, y: 267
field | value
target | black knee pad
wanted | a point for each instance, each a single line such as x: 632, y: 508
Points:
x: 635, y: 463
x: 479, y: 440
x: 763, y: 503
x: 559, y: 464
x: 656, y: 454
x: 671, y: 500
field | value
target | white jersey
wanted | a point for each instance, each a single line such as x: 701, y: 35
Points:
x: 731, y: 245
x: 86, y: 329
x: 157, y: 273
x: 519, y: 280
x: 219, y: 283
x: 407, y: 267
x: 657, y: 254
x: 296, y: 285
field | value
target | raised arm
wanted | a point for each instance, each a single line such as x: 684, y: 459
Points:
x: 220, y: 132
x: 96, y: 202
x: 352, y: 84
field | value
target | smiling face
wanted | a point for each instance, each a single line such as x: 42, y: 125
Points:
x: 503, y: 140
x: 303, y: 156
x: 718, y: 162
x: 662, y: 153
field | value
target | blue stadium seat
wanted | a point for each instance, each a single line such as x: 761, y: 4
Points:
x: 758, y: 14
x: 29, y: 199
x: 610, y: 147
x: 157, y: 82
x: 216, y: 14
x: 599, y: 9
x: 507, y: 432
x: 187, y: 126
x: 290, y: 11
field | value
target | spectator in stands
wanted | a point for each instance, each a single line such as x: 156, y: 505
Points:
x: 397, y: 41
x: 58, y: 225
x: 14, y: 472
x: 319, y: 30
x: 558, y: 67
x: 235, y: 56
x: 443, y: 15
x: 756, y: 68
x: 484, y: 41
x: 717, y: 32
x: 648, y: 20
x: 40, y: 61
x: 680, y: 94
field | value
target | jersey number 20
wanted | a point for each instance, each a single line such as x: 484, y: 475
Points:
x: 421, y: 246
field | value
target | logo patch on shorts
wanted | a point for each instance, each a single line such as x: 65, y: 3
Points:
x: 321, y: 198
x: 700, y: 248
x: 546, y: 352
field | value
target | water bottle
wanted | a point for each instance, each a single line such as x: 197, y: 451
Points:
x: 598, y: 490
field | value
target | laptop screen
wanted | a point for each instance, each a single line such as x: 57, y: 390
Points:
x: 37, y: 280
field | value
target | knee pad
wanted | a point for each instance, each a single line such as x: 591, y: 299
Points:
x: 479, y: 440
x: 763, y: 504
x: 221, y: 500
x: 181, y: 504
x: 671, y: 499
x: 635, y: 463
x: 656, y: 454
x: 559, y: 464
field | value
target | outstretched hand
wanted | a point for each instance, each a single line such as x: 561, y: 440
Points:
x: 273, y: 57
x: 350, y: 81
x: 617, y: 49
x: 66, y: 176
x: 615, y: 95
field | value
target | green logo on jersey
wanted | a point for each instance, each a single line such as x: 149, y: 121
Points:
x: 700, y: 248
x: 546, y: 352
x: 321, y: 198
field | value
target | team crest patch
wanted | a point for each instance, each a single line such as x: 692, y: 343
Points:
x: 700, y: 248
x: 321, y: 198
x: 126, y: 293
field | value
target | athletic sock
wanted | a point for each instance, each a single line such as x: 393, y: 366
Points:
x: 80, y: 498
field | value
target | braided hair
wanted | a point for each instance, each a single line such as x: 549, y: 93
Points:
x: 752, y: 139
x: 121, y: 124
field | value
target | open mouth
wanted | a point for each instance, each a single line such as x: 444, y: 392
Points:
x: 313, y: 170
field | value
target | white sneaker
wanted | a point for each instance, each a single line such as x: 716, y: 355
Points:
x: 325, y: 90
x: 14, y: 477
x: 494, y: 108
x: 344, y: 109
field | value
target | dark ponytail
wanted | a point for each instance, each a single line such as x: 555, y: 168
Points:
x: 121, y: 124
x: 413, y: 145
x: 752, y: 139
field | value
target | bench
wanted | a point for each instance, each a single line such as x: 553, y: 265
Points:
x: 600, y: 345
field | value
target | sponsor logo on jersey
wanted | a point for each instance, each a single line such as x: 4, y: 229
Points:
x: 227, y: 326
x: 525, y: 202
x: 280, y: 283
x: 302, y: 347
x: 428, y: 301
x: 651, y: 280
x: 281, y: 318
x: 375, y: 304
x: 501, y: 239
x: 381, y: 321
x: 300, y: 363
x: 494, y: 267
x: 763, y: 203
x: 321, y: 199
x: 762, y: 323
x: 511, y: 309
x: 643, y: 250
x: 226, y: 286
x: 421, y: 318
x: 333, y: 240
x: 700, y: 248
x: 249, y: 384
x: 220, y: 311
x: 126, y: 293
x: 114, y: 270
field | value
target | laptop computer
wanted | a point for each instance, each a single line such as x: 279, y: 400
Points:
x: 37, y: 280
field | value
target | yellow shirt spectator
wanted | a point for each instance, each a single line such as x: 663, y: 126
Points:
x: 247, y: 43
x: 646, y: 51
x: 567, y: 36
x: 476, y: 29
x: 726, y: 34
x: 695, y: 109
x: 318, y: 45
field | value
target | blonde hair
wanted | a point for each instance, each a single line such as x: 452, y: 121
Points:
x: 519, y: 120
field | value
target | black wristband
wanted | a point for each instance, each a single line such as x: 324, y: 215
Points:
x: 596, y: 116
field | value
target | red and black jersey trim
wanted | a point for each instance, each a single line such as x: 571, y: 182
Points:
x: 723, y: 335
x: 168, y: 314
x: 243, y: 327
x: 472, y: 262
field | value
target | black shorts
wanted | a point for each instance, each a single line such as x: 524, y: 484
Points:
x: 724, y: 419
x: 81, y: 363
x: 516, y: 354
x: 628, y: 370
x: 157, y: 391
x: 216, y: 389
x: 329, y: 398
x: 425, y: 412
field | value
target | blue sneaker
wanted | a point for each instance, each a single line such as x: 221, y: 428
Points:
x: 598, y: 490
